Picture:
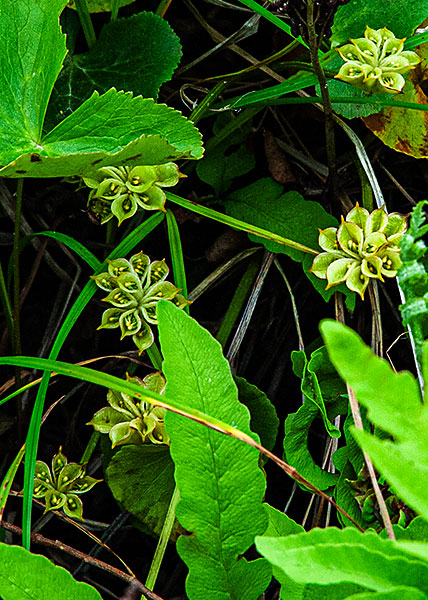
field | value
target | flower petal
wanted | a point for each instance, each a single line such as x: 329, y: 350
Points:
x: 144, y: 338
x: 350, y: 237
x: 356, y: 281
x: 73, y: 507
x: 338, y: 271
x: 327, y: 239
x: 130, y: 322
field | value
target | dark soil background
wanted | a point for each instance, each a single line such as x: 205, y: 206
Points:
x: 264, y: 356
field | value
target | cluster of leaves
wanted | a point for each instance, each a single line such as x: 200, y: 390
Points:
x: 196, y: 428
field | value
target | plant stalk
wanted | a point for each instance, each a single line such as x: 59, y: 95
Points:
x: 86, y: 22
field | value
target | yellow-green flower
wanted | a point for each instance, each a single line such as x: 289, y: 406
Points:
x: 377, y: 62
x: 135, y: 287
x: 365, y: 246
x: 129, y: 421
x: 120, y: 191
x: 62, y: 487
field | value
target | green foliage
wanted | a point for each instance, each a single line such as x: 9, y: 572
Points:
x: 141, y: 65
x: 394, y: 404
x: 141, y: 479
x: 95, y: 6
x: 331, y: 556
x: 34, y: 577
x: 264, y: 204
x: 413, y: 278
x: 352, y: 18
x: 220, y: 499
x: 84, y: 139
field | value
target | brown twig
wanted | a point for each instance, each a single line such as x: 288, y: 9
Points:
x: 37, y: 538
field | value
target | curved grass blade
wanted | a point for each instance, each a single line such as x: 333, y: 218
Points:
x: 176, y: 254
x: 34, y: 428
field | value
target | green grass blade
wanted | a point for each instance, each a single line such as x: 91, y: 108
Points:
x: 236, y: 223
x: 176, y: 254
x: 34, y: 428
x: 68, y: 241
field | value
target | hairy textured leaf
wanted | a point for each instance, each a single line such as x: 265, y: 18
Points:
x: 28, y: 576
x: 394, y: 404
x: 141, y: 479
x: 399, y: 16
x: 221, y: 485
x: 141, y: 65
x: 330, y: 556
x: 264, y: 204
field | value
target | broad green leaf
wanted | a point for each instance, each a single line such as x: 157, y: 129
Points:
x: 221, y: 486
x: 28, y: 576
x: 143, y: 131
x: 401, y: 129
x: 264, y: 204
x: 401, y: 18
x: 394, y: 404
x: 32, y: 48
x: 330, y: 556
x: 263, y: 418
x: 280, y: 524
x: 95, y: 6
x: 141, y: 479
x: 141, y: 65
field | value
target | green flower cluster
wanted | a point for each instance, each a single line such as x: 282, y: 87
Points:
x: 129, y: 421
x: 377, y: 62
x: 120, y: 191
x: 62, y: 487
x: 134, y: 288
x: 365, y: 246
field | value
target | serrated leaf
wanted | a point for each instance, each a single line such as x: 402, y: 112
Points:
x: 394, y: 404
x: 34, y: 577
x: 141, y: 65
x: 221, y: 486
x: 32, y: 48
x: 143, y: 131
x: 264, y: 204
x: 401, y: 18
x: 263, y: 420
x: 141, y: 479
x: 330, y: 556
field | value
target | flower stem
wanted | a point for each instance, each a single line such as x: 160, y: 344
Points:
x: 328, y: 110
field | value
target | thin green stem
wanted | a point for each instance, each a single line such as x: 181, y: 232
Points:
x: 176, y: 250
x: 114, y: 10
x: 237, y: 224
x: 155, y: 356
x: 16, y: 342
x: 203, y: 107
x: 163, y: 7
x: 163, y: 540
x: 328, y: 109
x: 7, y: 307
x: 86, y: 22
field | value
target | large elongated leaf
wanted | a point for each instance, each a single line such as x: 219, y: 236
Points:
x: 221, y: 485
x: 330, y: 556
x: 394, y: 404
x: 110, y: 129
x: 33, y: 577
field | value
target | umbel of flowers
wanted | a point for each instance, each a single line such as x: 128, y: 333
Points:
x: 120, y: 191
x: 134, y: 288
x: 130, y: 421
x: 377, y: 62
x: 364, y: 247
x: 62, y: 487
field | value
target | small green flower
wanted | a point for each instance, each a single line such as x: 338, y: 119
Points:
x: 377, y: 62
x: 62, y: 488
x: 134, y: 288
x: 120, y: 191
x: 365, y: 246
x: 129, y: 421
